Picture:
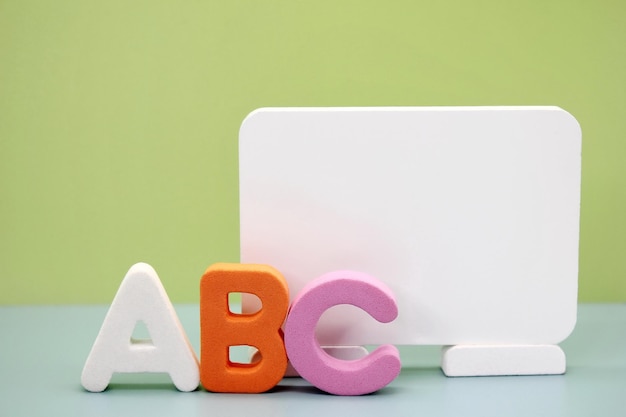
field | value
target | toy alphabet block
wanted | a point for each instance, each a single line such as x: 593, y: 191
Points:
x: 141, y: 297
x: 221, y: 328
x: 470, y: 216
x: 332, y: 375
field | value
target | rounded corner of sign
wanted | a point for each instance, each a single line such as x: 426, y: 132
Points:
x: 250, y: 122
x: 571, y: 121
x: 250, y: 118
x: 568, y: 328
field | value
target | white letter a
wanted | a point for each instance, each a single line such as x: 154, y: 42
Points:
x: 141, y: 296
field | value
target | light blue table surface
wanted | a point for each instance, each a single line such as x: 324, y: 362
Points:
x: 43, y: 349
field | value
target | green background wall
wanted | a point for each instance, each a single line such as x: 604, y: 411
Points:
x: 119, y: 119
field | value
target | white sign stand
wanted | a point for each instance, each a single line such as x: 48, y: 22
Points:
x: 469, y: 214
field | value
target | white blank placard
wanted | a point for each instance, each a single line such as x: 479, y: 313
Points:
x: 469, y: 214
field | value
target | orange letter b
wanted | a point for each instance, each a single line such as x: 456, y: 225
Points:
x: 221, y: 329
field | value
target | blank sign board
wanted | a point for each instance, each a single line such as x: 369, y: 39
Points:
x: 469, y: 214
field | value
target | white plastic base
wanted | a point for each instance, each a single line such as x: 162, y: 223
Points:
x: 494, y: 360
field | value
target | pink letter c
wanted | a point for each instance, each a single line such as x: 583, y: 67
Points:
x: 329, y: 374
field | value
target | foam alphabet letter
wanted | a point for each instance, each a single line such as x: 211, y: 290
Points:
x: 221, y: 329
x: 336, y: 376
x: 141, y: 297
